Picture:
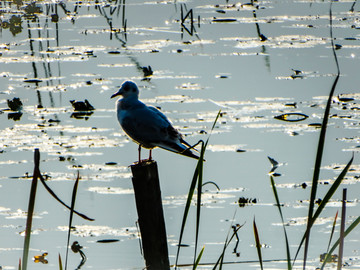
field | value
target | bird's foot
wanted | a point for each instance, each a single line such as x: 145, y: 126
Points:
x: 143, y: 161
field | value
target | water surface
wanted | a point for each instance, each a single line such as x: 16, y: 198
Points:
x: 252, y: 63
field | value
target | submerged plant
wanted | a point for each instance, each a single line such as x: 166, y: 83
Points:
x: 228, y: 240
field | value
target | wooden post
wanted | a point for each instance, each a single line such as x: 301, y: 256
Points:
x: 150, y: 212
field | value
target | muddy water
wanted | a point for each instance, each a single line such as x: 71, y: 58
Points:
x: 192, y: 59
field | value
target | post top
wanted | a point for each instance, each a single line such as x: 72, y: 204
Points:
x: 143, y: 163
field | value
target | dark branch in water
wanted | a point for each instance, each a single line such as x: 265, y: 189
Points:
x: 52, y: 193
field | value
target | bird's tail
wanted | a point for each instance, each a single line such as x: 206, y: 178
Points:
x: 180, y: 149
x: 187, y: 152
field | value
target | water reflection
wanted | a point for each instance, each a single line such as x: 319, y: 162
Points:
x: 77, y: 248
x: 16, y: 116
x: 37, y: 16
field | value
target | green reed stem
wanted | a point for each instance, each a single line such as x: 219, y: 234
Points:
x: 320, y: 148
x: 196, y: 181
x: 31, y: 207
x: 73, y: 199
x: 258, y: 245
x: 288, y: 256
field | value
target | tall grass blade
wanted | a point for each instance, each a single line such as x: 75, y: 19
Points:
x: 73, y: 198
x: 60, y: 263
x: 220, y: 261
x: 288, y: 256
x: 198, y: 258
x: 19, y: 268
x: 325, y: 200
x: 213, y: 126
x: 222, y: 255
x: 332, y: 231
x: 258, y: 245
x: 31, y: 206
x: 186, y: 212
x: 332, y: 190
x: 181, y: 13
x: 196, y: 176
x: 342, y: 230
x: 320, y: 147
x: 199, y: 193
x: 347, y: 231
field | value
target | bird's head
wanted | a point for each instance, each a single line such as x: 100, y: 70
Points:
x: 127, y: 89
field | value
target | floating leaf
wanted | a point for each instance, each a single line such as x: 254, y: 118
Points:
x: 32, y: 80
x: 292, y: 117
x: 41, y: 258
x: 225, y: 20
x: 108, y: 241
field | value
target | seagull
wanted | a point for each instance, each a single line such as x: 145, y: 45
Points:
x: 146, y: 125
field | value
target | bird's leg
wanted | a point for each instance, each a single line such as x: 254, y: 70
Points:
x: 150, y: 157
x: 139, y: 153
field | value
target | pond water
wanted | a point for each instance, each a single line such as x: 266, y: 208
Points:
x: 252, y: 62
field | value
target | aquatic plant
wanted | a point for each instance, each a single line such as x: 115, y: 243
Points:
x: 228, y: 240
x: 196, y: 183
x: 31, y: 206
x: 258, y: 244
x: 73, y: 199
x: 311, y: 215
x: 30, y: 211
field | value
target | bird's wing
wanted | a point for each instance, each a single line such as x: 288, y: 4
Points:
x: 178, y: 148
x: 181, y: 146
x: 159, y: 114
x: 171, y: 132
x: 175, y: 142
x: 148, y: 127
x: 151, y: 128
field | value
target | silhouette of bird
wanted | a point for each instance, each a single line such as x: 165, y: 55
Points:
x: 82, y: 105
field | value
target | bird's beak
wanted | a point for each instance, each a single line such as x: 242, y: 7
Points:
x: 118, y: 93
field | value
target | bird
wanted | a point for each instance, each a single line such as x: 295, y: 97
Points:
x: 147, y: 125
x: 82, y: 105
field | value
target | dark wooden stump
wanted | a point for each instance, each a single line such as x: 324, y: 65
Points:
x: 150, y: 212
